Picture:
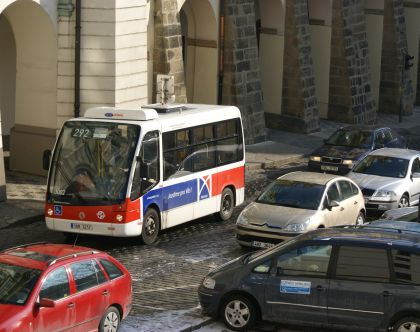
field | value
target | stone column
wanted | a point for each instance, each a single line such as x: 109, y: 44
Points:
x: 395, y: 80
x: 167, y: 57
x: 299, y: 111
x: 242, y: 82
x: 2, y: 173
x: 350, y: 93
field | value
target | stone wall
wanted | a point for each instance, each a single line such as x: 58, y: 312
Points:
x: 350, y: 91
x: 242, y: 82
x: 167, y: 56
x: 299, y: 111
x: 396, y: 85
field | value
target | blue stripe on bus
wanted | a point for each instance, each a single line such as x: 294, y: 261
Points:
x: 173, y: 196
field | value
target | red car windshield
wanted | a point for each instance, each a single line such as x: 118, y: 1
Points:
x: 16, y: 283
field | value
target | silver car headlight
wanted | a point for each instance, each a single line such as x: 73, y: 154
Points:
x: 315, y: 158
x: 298, y: 228
x: 209, y: 283
x: 384, y: 195
x: 242, y: 219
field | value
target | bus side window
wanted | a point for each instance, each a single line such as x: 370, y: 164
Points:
x: 146, y: 174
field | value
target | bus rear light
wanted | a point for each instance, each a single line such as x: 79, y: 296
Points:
x: 119, y: 217
x: 50, y: 212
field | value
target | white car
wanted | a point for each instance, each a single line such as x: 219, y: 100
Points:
x: 298, y: 202
x: 389, y: 178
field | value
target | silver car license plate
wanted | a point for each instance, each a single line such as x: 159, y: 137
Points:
x: 260, y: 244
x: 329, y: 168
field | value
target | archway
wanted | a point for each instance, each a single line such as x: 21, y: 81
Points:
x: 200, y: 36
x: 29, y: 71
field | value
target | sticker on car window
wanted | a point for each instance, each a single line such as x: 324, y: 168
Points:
x: 295, y: 287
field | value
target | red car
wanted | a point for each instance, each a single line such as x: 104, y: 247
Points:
x: 56, y: 287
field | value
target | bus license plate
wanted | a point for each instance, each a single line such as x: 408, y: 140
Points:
x: 262, y: 244
x: 329, y: 168
x: 81, y: 227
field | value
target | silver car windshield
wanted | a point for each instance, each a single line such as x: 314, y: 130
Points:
x: 295, y: 194
x: 92, y: 162
x: 383, y: 166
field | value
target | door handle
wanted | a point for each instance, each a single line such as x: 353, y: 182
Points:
x: 70, y: 305
x: 105, y: 293
x: 355, y: 202
x: 341, y: 209
x: 386, y: 293
x: 319, y: 288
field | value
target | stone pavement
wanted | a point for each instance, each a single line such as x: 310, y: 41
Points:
x: 26, y: 193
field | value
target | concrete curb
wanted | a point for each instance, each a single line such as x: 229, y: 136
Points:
x: 23, y: 221
x: 199, y: 325
x: 274, y: 163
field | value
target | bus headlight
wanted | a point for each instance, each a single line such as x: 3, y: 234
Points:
x: 50, y: 212
x: 119, y: 217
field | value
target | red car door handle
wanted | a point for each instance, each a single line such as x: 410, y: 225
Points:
x: 70, y: 305
x: 105, y: 293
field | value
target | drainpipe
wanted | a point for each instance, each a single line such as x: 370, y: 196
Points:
x: 221, y: 51
x: 77, y: 60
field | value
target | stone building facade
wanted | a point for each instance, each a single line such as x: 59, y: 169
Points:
x: 285, y: 64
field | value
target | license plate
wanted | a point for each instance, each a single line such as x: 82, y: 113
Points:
x: 81, y: 227
x: 329, y: 168
x: 262, y: 244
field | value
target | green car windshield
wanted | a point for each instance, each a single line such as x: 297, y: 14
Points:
x: 92, y: 162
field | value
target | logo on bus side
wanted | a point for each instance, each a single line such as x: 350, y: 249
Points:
x: 204, y: 187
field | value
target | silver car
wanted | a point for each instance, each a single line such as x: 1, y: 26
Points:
x: 389, y: 178
x: 298, y: 202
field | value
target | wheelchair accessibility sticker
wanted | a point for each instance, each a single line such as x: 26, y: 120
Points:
x: 295, y: 287
x: 58, y: 210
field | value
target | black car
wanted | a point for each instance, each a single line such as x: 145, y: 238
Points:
x: 350, y: 144
x: 357, y: 278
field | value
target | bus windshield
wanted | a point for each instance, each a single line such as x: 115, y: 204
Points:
x: 92, y: 162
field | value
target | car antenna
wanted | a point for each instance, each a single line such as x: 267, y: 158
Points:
x: 75, y: 240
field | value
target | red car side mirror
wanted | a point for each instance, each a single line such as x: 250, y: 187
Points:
x: 47, y: 303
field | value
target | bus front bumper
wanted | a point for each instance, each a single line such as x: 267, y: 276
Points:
x: 95, y: 228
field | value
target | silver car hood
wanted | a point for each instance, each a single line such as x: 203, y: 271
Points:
x: 274, y: 216
x: 375, y: 181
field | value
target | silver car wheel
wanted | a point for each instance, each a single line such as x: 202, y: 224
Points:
x: 404, y: 202
x: 111, y: 322
x: 408, y: 327
x: 237, y: 313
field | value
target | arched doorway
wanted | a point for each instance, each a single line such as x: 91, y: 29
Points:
x: 29, y: 72
x: 200, y: 35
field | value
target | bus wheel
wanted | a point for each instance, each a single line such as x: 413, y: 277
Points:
x: 151, y: 226
x: 226, y: 204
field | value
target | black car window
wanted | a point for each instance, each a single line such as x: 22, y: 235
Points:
x: 354, y: 188
x: 263, y: 268
x: 406, y: 266
x: 333, y: 194
x: 346, y: 189
x: 87, y: 274
x: 351, y: 137
x: 56, y: 285
x: 388, y: 136
x: 416, y: 166
x: 110, y: 268
x: 359, y: 263
x: 379, y: 138
x: 308, y: 260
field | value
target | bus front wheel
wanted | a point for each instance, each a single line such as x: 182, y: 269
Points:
x: 226, y: 204
x: 151, y: 226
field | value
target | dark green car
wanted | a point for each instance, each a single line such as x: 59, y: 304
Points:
x: 358, y: 278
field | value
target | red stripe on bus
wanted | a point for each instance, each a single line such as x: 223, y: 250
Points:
x: 234, y: 177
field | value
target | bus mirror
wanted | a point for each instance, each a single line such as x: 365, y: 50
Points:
x: 46, y: 159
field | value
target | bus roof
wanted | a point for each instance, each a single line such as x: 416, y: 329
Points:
x: 176, y: 117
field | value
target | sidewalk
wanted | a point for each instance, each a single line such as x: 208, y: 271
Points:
x: 26, y: 193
